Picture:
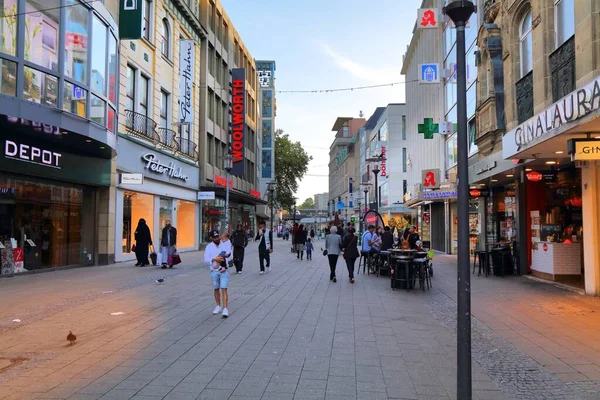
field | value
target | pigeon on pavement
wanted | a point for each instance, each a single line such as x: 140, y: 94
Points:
x: 71, y: 338
x: 160, y: 280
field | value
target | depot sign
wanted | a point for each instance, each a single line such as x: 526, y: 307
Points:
x: 32, y: 154
x: 576, y: 105
x: 238, y: 125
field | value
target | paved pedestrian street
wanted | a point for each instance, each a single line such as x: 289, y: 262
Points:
x: 291, y: 334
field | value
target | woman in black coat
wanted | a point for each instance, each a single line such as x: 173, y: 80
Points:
x: 300, y: 241
x: 350, y: 251
x: 143, y: 241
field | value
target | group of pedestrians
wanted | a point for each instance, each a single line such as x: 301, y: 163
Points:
x: 303, y: 240
x: 143, y: 243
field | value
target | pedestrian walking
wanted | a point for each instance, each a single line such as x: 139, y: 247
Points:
x: 265, y: 247
x: 333, y: 244
x: 309, y: 249
x: 300, y: 242
x: 239, y: 241
x: 168, y: 242
x: 215, y: 255
x: 143, y: 241
x: 312, y: 234
x: 350, y: 251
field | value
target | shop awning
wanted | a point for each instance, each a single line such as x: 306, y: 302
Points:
x: 262, y: 215
x: 234, y: 195
x: 396, y: 208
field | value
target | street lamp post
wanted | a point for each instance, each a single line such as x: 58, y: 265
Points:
x: 460, y: 11
x: 271, y: 189
x: 228, y: 165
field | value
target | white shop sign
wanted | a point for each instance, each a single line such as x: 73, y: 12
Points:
x: 132, y: 179
x: 172, y: 170
x: 206, y: 195
x: 186, y: 80
x: 32, y: 154
x: 546, y: 124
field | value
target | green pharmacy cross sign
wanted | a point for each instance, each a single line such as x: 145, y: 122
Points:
x: 428, y: 128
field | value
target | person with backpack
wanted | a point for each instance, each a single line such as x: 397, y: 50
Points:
x: 239, y: 239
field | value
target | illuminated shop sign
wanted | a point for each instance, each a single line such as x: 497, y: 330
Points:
x: 171, y: 170
x: 255, y: 193
x: 222, y: 181
x: 584, y: 149
x: 238, y: 125
x: 32, y: 154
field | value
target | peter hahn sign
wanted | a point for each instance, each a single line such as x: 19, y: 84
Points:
x: 153, y: 164
x: 547, y: 124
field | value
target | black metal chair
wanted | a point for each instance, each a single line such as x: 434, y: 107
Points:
x: 385, y: 262
x: 420, y: 271
x: 402, y: 270
x: 364, y: 259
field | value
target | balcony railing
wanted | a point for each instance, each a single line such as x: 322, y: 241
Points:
x: 167, y: 138
x: 524, y: 89
x: 188, y: 148
x: 562, y: 67
x: 140, y: 125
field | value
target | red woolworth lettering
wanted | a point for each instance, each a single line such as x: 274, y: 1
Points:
x: 237, y: 131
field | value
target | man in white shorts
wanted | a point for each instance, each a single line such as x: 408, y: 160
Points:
x: 217, y: 255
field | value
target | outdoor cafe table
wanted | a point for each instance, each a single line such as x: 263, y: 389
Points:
x: 408, y: 252
x: 396, y: 260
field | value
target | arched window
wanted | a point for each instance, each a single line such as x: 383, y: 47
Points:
x: 526, y: 44
x: 166, y: 39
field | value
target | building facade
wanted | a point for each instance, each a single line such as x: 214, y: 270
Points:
x: 58, y: 133
x: 158, y: 163
x: 266, y: 143
x: 321, y: 200
x: 537, y: 108
x: 343, y: 160
x: 221, y: 52
x: 425, y: 107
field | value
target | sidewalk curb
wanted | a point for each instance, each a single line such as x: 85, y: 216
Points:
x: 556, y: 284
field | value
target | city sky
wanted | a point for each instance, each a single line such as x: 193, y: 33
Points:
x: 326, y: 45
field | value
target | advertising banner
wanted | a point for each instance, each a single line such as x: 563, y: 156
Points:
x: 186, y: 80
x: 238, y: 118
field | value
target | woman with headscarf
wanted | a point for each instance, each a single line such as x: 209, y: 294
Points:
x: 300, y: 241
x: 143, y: 241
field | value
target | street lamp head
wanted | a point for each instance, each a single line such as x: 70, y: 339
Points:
x: 459, y: 11
x: 228, y: 162
x: 375, y: 170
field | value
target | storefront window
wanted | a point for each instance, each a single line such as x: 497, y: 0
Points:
x: 76, y: 41
x: 8, y: 78
x: 452, y: 151
x: 41, y: 32
x: 42, y: 219
x: 213, y: 216
x: 136, y: 206
x: 166, y: 211
x: 39, y: 87
x: 99, y: 56
x: 74, y: 99
x: 8, y: 26
x: 186, y: 223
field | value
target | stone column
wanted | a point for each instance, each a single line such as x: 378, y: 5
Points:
x: 106, y: 214
x: 590, y: 181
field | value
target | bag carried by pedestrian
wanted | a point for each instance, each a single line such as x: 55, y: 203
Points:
x: 159, y: 258
x: 153, y: 256
x: 176, y: 259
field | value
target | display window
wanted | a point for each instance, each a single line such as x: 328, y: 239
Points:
x: 136, y: 206
x: 186, y: 224
x: 41, y: 224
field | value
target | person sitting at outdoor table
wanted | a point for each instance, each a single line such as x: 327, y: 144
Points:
x: 413, y: 237
x: 387, y: 239
x: 371, y: 243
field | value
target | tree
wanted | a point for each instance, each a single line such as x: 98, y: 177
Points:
x: 290, y: 166
x: 308, y: 203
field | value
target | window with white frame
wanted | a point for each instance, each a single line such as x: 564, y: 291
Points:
x: 147, y: 17
x: 166, y: 39
x: 130, y: 86
x: 526, y: 44
x: 564, y: 20
x: 144, y: 95
x: 164, y: 109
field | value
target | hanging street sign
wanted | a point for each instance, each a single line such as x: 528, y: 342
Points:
x: 429, y: 73
x: 130, y: 19
x: 428, y: 128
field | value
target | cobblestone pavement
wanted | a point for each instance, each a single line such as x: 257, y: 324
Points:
x: 535, y: 340
x: 291, y: 334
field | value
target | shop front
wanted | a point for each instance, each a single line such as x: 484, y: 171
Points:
x: 157, y: 187
x: 50, y: 182
x: 242, y: 208
x: 562, y: 202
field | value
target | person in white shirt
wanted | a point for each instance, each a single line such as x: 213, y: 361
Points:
x: 217, y: 255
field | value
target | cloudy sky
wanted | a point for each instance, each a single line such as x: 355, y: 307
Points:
x: 326, y: 44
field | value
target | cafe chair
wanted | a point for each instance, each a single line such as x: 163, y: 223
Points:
x: 364, y: 259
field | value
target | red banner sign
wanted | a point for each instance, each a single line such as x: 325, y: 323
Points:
x: 238, y: 118
x: 255, y: 193
x: 383, y: 167
x: 221, y: 181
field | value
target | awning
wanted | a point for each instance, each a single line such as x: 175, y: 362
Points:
x: 396, y: 208
x: 262, y: 215
x: 234, y: 195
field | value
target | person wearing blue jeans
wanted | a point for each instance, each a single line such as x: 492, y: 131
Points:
x: 217, y: 255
